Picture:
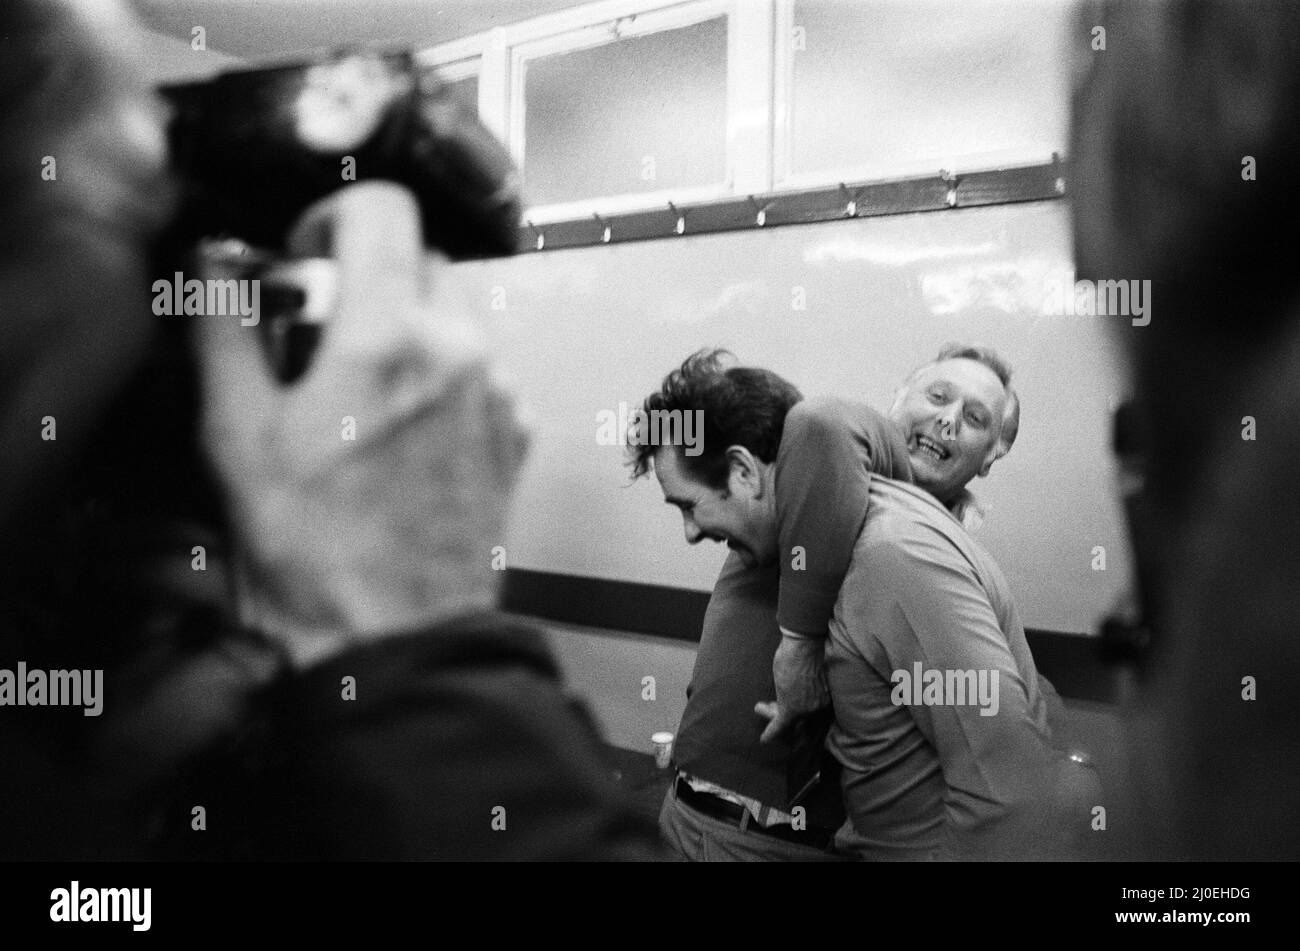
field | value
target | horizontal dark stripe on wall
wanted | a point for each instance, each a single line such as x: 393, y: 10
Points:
x: 807, y: 206
x: 596, y: 602
x: 1072, y: 662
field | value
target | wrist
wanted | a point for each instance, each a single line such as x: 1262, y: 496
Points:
x: 313, y: 620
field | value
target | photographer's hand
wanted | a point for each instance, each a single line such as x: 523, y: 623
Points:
x: 344, y: 537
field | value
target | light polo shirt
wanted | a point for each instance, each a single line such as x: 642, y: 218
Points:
x: 934, y: 780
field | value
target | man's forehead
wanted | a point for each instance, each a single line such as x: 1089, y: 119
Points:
x: 671, y: 473
x: 972, y: 376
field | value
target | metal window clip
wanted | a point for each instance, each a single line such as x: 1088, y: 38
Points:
x: 606, y: 234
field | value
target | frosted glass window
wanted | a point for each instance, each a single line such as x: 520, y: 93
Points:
x: 637, y: 115
x: 885, y: 85
x: 465, y: 92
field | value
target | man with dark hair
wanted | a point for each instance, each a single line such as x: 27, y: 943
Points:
x: 952, y: 419
x: 739, y: 406
x: 764, y: 448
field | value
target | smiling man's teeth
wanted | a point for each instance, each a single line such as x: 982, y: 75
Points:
x: 931, y: 447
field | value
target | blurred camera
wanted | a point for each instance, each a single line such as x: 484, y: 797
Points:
x: 252, y: 149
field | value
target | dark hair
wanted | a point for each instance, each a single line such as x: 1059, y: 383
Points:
x: 740, y: 406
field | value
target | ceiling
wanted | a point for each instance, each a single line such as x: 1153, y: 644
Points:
x: 256, y: 28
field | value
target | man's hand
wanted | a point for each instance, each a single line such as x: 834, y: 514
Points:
x: 366, y: 498
x: 800, y: 675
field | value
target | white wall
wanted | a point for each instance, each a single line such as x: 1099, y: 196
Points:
x: 167, y: 59
x: 583, y: 329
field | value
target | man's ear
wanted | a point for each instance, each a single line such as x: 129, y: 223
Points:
x: 997, y: 452
x: 745, y: 473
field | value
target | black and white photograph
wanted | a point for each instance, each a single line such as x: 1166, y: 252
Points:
x: 653, y: 432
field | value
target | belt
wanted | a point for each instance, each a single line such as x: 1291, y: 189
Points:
x: 734, y: 814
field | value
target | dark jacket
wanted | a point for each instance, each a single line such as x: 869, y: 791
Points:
x: 459, y: 744
x: 452, y: 743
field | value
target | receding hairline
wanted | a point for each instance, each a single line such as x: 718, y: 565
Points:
x: 1004, y: 384
x: 1010, y: 427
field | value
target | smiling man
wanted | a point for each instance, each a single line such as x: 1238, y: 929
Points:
x: 940, y: 776
x: 958, y: 415
x: 786, y: 485
x: 773, y: 468
x: 739, y: 515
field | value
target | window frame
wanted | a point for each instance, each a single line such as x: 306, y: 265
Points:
x: 784, y: 178
x: 503, y: 55
x: 759, y: 86
x: 677, y: 17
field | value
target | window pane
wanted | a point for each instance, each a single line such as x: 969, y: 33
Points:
x: 636, y: 115
x: 887, y: 85
x: 465, y: 92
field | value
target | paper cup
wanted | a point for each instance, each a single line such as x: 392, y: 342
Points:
x: 663, y: 744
